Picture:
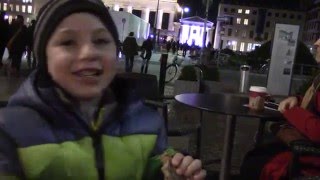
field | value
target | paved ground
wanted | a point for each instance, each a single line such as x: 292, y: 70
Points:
x: 213, y: 127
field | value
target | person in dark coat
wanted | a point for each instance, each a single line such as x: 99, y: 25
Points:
x: 185, y: 48
x: 168, y: 46
x: 30, y: 31
x: 147, y: 46
x: 130, y: 49
x: 17, y: 44
x: 4, y: 29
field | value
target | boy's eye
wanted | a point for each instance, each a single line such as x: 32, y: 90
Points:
x: 101, y: 41
x: 67, y: 43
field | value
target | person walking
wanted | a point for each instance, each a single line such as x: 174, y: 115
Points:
x: 4, y: 29
x: 31, y: 63
x: 147, y: 46
x: 130, y: 49
x: 17, y: 44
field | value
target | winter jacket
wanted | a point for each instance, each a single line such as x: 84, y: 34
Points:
x: 308, y: 123
x: 130, y: 46
x: 43, y: 136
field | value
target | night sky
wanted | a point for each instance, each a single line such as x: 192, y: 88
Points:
x: 198, y: 9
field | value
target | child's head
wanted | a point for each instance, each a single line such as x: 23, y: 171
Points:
x: 75, y: 45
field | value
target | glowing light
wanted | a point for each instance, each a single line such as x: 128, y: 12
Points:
x: 6, y: 17
x: 116, y: 7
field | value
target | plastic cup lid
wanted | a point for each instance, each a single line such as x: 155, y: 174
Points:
x: 258, y: 89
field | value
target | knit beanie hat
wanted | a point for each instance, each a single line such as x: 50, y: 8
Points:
x: 49, y: 17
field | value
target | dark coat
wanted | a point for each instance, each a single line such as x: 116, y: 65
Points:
x: 130, y: 46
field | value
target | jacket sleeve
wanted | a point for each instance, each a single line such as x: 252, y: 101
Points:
x: 305, y: 121
x: 10, y: 168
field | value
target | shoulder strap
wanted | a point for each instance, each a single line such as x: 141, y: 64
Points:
x: 309, y: 95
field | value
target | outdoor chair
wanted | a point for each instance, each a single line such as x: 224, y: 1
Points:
x: 145, y: 86
x: 301, y: 148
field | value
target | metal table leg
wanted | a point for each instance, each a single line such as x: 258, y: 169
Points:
x: 227, y: 147
x: 259, y: 136
x: 199, y: 137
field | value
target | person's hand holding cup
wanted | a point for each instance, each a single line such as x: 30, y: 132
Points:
x: 257, y: 96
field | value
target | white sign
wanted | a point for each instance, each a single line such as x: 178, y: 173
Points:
x: 284, y: 47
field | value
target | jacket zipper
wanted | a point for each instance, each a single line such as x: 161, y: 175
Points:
x: 97, y: 144
x: 98, y: 148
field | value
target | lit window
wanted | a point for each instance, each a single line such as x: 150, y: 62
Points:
x: 255, y: 46
x: 30, y: 9
x: 5, y: 6
x: 17, y: 8
x: 249, y: 48
x: 239, y: 11
x: 23, y: 8
x: 247, y: 11
x: 242, y: 46
x: 24, y: 1
x: 246, y: 21
x: 11, y: 7
x: 28, y: 20
x: 234, y: 45
x: 10, y: 19
x: 238, y: 20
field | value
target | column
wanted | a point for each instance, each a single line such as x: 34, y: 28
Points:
x: 116, y: 7
x: 129, y: 9
x: 145, y: 14
x: 217, y: 38
x: 159, y: 19
x: 171, y: 19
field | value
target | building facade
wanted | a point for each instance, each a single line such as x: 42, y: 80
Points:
x: 243, y: 28
x: 192, y: 31
x: 146, y: 9
x: 18, y: 7
x: 312, y: 26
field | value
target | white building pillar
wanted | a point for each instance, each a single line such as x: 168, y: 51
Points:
x: 217, y: 37
x: 159, y: 18
x: 129, y: 9
x: 171, y: 19
x: 145, y: 14
x: 116, y: 7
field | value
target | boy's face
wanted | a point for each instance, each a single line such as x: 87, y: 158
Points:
x: 81, y: 55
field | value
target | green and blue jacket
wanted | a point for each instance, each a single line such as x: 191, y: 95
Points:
x: 42, y: 137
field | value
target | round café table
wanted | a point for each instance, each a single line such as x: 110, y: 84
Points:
x: 231, y: 105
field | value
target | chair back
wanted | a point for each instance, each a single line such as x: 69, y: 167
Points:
x: 144, y: 86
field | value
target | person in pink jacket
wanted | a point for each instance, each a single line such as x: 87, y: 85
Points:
x: 271, y: 161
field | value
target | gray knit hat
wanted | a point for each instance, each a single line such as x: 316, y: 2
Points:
x: 52, y: 13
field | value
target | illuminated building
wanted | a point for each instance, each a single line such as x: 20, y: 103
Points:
x: 243, y: 27
x: 18, y: 7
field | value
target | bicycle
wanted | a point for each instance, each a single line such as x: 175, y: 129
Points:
x: 173, y: 69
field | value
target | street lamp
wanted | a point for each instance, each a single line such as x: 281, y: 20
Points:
x: 123, y: 22
x: 182, y: 10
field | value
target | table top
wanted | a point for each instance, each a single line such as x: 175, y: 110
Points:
x: 223, y: 103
